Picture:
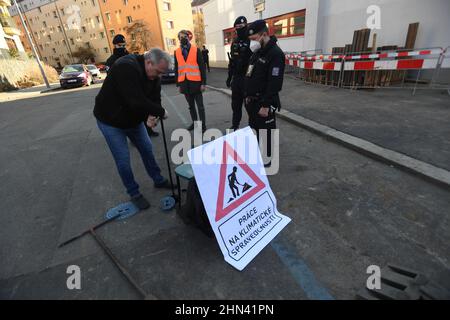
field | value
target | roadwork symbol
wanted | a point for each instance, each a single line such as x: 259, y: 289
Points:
x: 243, y: 184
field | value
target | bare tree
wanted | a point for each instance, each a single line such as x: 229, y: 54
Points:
x: 140, y: 36
x: 84, y: 54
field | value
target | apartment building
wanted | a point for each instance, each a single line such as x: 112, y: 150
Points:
x: 9, y: 33
x: 60, y: 27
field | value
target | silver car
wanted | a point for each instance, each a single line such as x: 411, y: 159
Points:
x: 95, y: 72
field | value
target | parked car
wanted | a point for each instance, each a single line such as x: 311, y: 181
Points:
x: 102, y: 67
x: 96, y: 74
x: 169, y: 76
x: 75, y: 75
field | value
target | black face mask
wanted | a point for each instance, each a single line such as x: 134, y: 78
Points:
x: 184, y: 42
x: 242, y: 33
x: 120, y: 51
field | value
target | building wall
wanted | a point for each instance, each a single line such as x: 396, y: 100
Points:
x: 60, y: 28
x: 119, y: 10
x: 331, y: 23
x: 181, y: 16
x: 340, y: 18
x: 11, y: 32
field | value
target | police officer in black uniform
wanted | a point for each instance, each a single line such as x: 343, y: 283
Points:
x: 263, y: 80
x: 239, y: 57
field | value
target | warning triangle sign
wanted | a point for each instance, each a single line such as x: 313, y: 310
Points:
x: 238, y: 191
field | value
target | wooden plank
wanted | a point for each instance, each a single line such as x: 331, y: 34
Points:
x: 411, y: 36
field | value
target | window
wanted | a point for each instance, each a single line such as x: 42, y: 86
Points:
x: 129, y: 19
x: 171, y: 42
x: 59, y: 29
x: 41, y: 47
x: 62, y: 12
x: 39, y: 8
x: 228, y: 35
x: 166, y: 6
x: 104, y: 1
x: 55, y: 15
x: 44, y: 24
x: 102, y: 35
x: 88, y: 44
x: 112, y: 33
x: 93, y: 3
x: 125, y: 2
x: 108, y: 16
x: 83, y: 28
x: 169, y: 24
x: 106, y: 50
x: 98, y: 19
x: 49, y: 37
x: 54, y: 50
x: 288, y: 25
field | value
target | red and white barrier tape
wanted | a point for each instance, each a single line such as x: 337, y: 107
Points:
x: 412, y: 64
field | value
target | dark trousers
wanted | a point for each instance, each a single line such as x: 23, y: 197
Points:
x: 196, y: 98
x: 207, y: 65
x: 237, y: 99
x: 116, y: 139
x: 256, y: 122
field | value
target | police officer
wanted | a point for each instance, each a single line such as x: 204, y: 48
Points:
x: 263, y: 80
x: 239, y: 56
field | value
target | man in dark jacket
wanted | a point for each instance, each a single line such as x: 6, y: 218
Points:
x: 205, y: 54
x: 130, y: 96
x: 240, y: 54
x: 191, y: 76
x: 119, y: 51
x: 263, y: 81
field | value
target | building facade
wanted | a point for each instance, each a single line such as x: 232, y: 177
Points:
x: 199, y: 22
x: 304, y: 25
x: 60, y: 27
x: 10, y: 42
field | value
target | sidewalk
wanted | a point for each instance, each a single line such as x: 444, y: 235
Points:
x: 27, y: 92
x: 394, y: 119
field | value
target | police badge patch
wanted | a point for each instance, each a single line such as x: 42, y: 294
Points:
x: 275, y: 72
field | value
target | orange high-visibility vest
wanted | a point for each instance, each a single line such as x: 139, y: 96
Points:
x: 188, y: 69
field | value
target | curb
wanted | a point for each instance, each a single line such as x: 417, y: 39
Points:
x: 420, y: 168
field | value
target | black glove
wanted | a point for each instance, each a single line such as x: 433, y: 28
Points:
x: 228, y: 82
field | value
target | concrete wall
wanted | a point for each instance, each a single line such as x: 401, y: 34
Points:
x: 331, y: 23
x: 338, y: 19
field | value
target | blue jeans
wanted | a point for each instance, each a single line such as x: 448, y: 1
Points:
x: 118, y: 144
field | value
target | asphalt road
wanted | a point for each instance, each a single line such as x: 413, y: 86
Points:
x: 58, y: 178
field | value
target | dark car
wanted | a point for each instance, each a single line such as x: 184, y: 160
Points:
x: 169, y: 76
x: 75, y: 75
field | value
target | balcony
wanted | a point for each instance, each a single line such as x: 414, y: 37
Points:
x: 8, y: 24
x: 5, y: 3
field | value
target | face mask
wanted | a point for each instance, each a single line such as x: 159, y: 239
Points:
x: 184, y: 42
x: 255, y: 45
x: 241, y: 32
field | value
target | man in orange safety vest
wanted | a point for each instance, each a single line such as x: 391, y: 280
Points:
x: 191, y: 76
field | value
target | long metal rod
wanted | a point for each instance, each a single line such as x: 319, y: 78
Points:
x: 167, y: 158
x: 64, y: 32
x: 88, y: 231
x: 122, y: 269
x: 36, y: 56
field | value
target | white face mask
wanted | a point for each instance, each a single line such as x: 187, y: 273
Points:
x: 255, y: 45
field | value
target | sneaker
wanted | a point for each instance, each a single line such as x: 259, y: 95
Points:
x: 191, y: 127
x: 165, y: 185
x: 140, y: 202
